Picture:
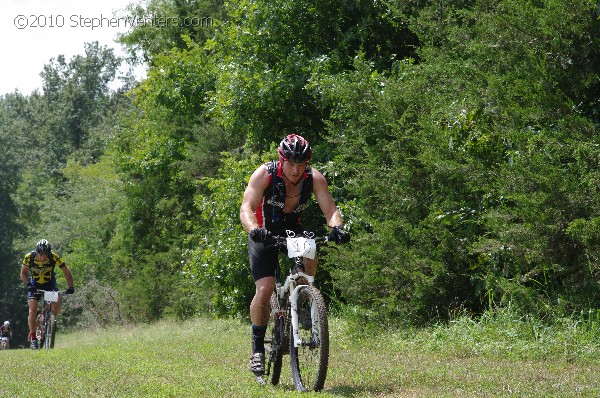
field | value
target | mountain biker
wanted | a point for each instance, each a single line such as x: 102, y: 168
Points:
x: 38, y: 273
x: 6, y: 331
x: 276, y: 195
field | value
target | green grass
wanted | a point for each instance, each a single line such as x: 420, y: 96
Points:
x: 209, y: 358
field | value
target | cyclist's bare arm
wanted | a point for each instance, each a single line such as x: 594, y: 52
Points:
x: 259, y: 180
x: 68, y: 275
x: 325, y: 200
x: 25, y: 274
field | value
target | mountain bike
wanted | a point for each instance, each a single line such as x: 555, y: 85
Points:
x: 298, y: 323
x: 45, y: 331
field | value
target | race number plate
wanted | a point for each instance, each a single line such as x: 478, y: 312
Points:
x: 301, y: 247
x: 51, y: 296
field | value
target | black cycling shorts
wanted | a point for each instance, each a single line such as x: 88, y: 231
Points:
x: 263, y: 260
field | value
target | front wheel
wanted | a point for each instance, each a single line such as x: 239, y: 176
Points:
x: 309, y: 360
x: 274, y: 346
x: 50, y: 332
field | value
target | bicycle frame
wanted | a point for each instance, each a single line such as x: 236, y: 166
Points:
x: 298, y: 248
x: 44, y: 316
x: 291, y: 335
x: 290, y: 285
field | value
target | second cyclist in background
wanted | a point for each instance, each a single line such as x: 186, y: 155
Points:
x: 38, y: 272
x: 6, y: 332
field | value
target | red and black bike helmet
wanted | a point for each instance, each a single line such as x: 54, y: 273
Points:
x: 295, y: 149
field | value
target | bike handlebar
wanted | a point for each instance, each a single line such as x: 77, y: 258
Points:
x: 60, y: 293
x: 280, y: 241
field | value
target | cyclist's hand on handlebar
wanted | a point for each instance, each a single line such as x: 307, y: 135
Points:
x: 70, y: 290
x: 338, y: 235
x: 31, y: 288
x: 261, y: 235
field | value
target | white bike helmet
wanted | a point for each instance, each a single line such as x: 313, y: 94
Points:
x: 6, y: 323
x: 43, y: 247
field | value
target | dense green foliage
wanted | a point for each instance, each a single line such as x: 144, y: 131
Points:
x: 460, y: 139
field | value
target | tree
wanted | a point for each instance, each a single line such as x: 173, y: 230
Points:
x: 469, y: 165
x: 268, y: 51
x: 10, y: 176
x: 77, y: 92
x: 160, y: 26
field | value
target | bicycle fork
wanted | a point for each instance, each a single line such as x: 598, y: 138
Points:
x: 294, y: 307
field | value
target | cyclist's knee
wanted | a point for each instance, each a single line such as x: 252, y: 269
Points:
x: 264, y: 291
x: 265, y: 285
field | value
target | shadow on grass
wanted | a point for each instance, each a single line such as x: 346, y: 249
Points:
x: 342, y: 390
x: 350, y: 391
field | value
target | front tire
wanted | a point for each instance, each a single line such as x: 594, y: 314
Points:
x: 274, y: 347
x: 50, y: 332
x: 309, y: 361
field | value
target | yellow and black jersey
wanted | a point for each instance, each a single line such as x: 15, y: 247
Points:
x: 43, y: 272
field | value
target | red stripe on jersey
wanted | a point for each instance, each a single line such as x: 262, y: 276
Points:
x: 259, y: 214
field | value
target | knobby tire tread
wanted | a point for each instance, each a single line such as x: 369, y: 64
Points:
x: 51, y: 331
x: 316, y: 381
x: 275, y: 333
x: 46, y: 342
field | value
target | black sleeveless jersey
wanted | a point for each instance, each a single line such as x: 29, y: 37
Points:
x: 270, y: 213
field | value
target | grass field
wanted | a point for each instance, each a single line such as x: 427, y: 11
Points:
x: 209, y: 358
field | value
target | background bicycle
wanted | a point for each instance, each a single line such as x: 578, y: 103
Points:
x: 298, y: 325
